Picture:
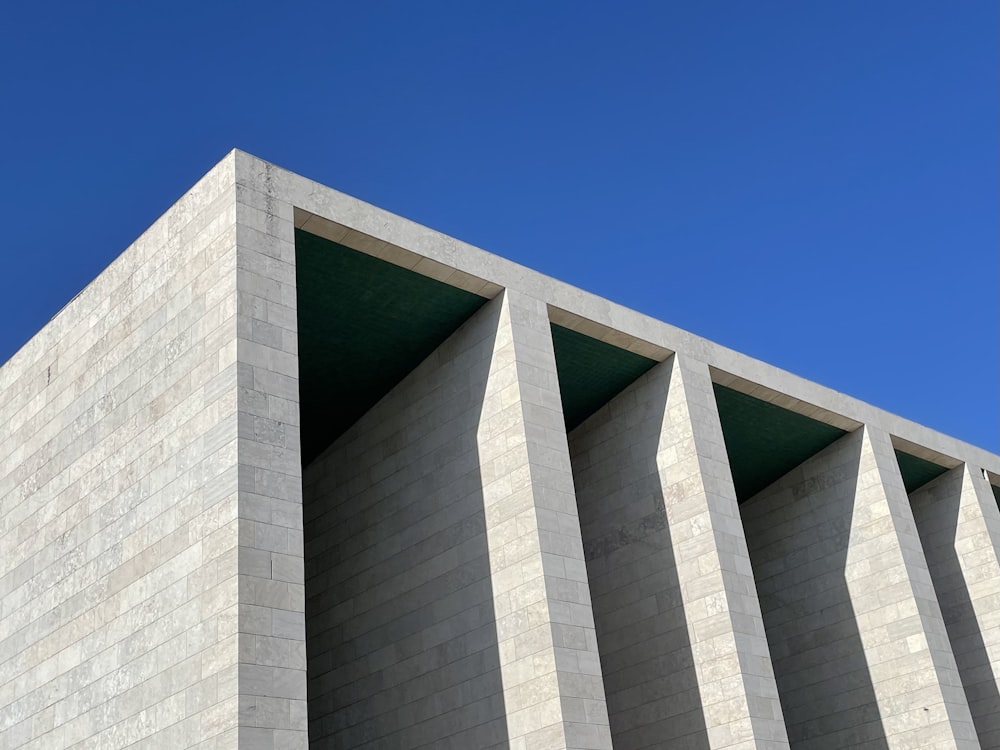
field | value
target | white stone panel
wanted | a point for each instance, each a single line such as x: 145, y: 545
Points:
x: 272, y: 647
x: 152, y: 577
x: 959, y: 525
x: 679, y: 629
x: 553, y: 690
x: 859, y: 646
x: 118, y: 499
x: 401, y: 627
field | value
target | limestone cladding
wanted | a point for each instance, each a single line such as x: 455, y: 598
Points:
x: 401, y: 629
x: 449, y: 605
x: 678, y: 623
x: 958, y: 520
x: 857, y: 638
x: 456, y: 571
x: 119, y: 499
x: 272, y: 648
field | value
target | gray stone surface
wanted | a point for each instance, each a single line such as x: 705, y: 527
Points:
x: 679, y: 627
x: 553, y: 690
x: 857, y: 640
x: 272, y: 648
x: 448, y: 600
x: 402, y: 628
x: 959, y: 525
x: 119, y: 500
x: 154, y: 556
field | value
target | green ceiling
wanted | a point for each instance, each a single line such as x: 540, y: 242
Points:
x: 591, y: 372
x: 765, y: 441
x: 916, y: 471
x: 364, y: 324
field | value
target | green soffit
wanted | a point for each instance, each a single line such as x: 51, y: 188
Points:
x: 591, y: 372
x: 765, y: 441
x: 916, y: 471
x: 364, y: 324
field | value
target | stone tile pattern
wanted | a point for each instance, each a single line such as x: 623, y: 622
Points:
x: 553, y: 691
x: 725, y: 626
x: 799, y: 534
x: 646, y: 656
x: 272, y: 649
x: 151, y: 551
x: 930, y: 662
x: 959, y: 525
x: 856, y: 637
x: 401, y: 626
x: 655, y: 570
x: 118, y: 500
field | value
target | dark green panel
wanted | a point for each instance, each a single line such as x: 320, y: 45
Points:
x: 916, y: 471
x: 591, y: 372
x: 996, y: 493
x: 765, y: 441
x: 364, y: 324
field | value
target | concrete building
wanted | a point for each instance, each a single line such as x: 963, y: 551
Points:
x: 294, y: 472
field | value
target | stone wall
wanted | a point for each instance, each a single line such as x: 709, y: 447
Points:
x: 959, y: 525
x: 447, y: 598
x: 859, y: 652
x: 642, y: 630
x: 553, y: 689
x: 154, y: 556
x: 679, y: 629
x: 272, y: 649
x: 118, y: 499
x: 401, y: 626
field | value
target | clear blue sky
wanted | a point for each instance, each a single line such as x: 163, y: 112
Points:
x: 812, y: 183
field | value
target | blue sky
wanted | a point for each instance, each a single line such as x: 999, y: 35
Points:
x: 814, y: 184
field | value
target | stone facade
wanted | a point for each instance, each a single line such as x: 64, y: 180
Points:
x: 679, y: 623
x: 458, y: 569
x: 959, y: 524
x: 119, y: 485
x: 857, y: 638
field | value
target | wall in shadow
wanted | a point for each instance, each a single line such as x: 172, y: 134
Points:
x: 642, y: 635
x: 947, y: 535
x: 798, y: 532
x: 400, y: 624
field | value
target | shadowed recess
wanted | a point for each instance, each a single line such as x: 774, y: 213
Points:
x: 765, y: 441
x: 798, y: 533
x: 996, y: 493
x: 917, y: 471
x: 640, y: 616
x: 364, y: 324
x: 591, y: 372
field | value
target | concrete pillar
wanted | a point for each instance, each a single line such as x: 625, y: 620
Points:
x: 679, y: 627
x: 959, y: 526
x: 272, y: 649
x: 860, y: 651
x: 552, y: 686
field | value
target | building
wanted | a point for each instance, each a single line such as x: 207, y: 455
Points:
x: 295, y: 472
